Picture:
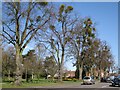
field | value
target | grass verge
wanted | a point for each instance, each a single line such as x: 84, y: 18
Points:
x: 42, y: 83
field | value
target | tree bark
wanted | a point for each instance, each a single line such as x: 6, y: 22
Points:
x: 77, y: 71
x: 32, y: 75
x: 99, y: 76
x: 18, y: 74
x: 26, y: 76
x: 60, y: 73
x: 80, y: 71
x: 61, y: 66
x: 91, y: 71
x: 9, y: 75
x: 52, y: 78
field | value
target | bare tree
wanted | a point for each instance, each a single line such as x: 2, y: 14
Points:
x: 57, y: 37
x: 21, y: 22
x: 83, y: 36
x: 104, y: 57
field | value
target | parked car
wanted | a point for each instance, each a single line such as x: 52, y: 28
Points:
x: 103, y: 79
x: 116, y: 81
x: 88, y: 80
x: 111, y: 78
x: 107, y: 79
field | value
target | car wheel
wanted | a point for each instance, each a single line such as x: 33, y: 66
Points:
x: 119, y: 85
x: 82, y: 83
x: 90, y: 83
x: 113, y: 85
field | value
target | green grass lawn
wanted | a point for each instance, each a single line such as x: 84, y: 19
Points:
x: 41, y: 82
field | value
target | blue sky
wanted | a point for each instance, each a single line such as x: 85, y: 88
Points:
x: 105, y: 15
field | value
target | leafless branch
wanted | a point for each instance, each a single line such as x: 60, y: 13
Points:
x: 8, y: 27
x: 8, y: 34
x: 33, y: 34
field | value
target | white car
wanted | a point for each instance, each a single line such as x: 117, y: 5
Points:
x: 88, y: 80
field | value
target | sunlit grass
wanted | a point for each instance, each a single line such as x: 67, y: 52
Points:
x: 40, y: 83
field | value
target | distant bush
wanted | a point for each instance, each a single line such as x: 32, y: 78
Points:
x: 70, y: 79
x: 74, y: 79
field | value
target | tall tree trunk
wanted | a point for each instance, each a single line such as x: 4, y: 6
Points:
x: 78, y: 66
x: 52, y: 77
x: 77, y: 71
x: 60, y: 73
x: 61, y: 66
x: 80, y: 71
x: 18, y: 74
x: 9, y: 75
x: 91, y: 71
x: 26, y: 76
x: 32, y: 74
x: 99, y: 76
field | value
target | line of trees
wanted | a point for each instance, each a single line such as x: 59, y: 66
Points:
x: 32, y: 66
x: 62, y: 33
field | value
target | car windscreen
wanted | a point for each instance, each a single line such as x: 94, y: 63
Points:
x: 118, y: 76
x: 86, y: 77
x: 112, y: 77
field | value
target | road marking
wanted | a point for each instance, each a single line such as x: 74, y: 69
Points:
x: 104, y: 86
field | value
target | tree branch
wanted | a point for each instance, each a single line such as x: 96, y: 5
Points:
x: 33, y: 34
x: 8, y: 35
x: 8, y: 27
x: 52, y: 53
x: 8, y: 40
x: 26, y: 24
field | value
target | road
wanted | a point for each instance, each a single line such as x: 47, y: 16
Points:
x: 97, y: 85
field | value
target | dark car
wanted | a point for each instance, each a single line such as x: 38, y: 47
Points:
x: 107, y: 79
x: 103, y: 79
x: 116, y: 81
x: 111, y: 78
